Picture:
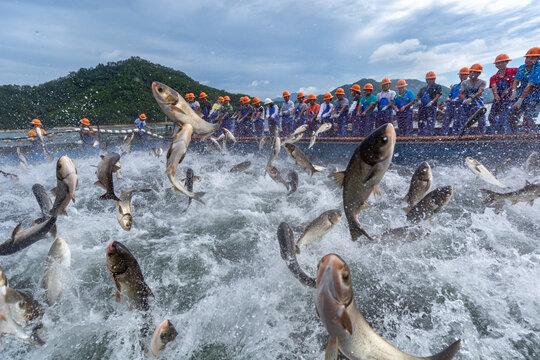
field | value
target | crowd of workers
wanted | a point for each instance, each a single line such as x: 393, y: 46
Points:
x: 516, y: 93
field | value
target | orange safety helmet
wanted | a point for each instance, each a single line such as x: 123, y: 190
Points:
x: 356, y: 87
x: 255, y: 101
x: 312, y: 97
x: 368, y: 86
x: 247, y: 99
x: 501, y: 58
x: 190, y: 96
x: 463, y: 71
x: 286, y: 93
x: 385, y: 81
x: 401, y: 83
x: 85, y: 121
x: 328, y: 96
x: 226, y: 98
x: 340, y: 91
x: 431, y: 75
x: 203, y: 95
x: 35, y: 122
x: 476, y: 67
x: 535, y: 51
x: 300, y: 95
x: 142, y: 117
x: 220, y: 99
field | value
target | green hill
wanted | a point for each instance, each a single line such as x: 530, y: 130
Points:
x: 115, y: 93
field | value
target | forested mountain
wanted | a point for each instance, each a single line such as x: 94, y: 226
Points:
x: 115, y: 93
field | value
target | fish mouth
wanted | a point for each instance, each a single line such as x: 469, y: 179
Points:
x: 158, y: 88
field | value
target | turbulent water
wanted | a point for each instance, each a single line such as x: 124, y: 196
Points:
x: 217, y: 274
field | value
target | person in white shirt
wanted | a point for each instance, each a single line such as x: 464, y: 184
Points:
x: 272, y: 115
x: 326, y: 109
x: 384, y: 104
x: 287, y: 108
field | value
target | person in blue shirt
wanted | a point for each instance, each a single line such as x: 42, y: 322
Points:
x: 402, y: 105
x: 257, y: 118
x: 454, y: 115
x: 140, y: 123
x: 87, y: 135
x: 205, y: 105
x: 365, y: 113
x: 528, y: 94
x: 427, y: 98
x: 340, y: 113
x: 286, y: 112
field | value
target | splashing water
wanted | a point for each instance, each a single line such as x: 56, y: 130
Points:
x: 217, y: 274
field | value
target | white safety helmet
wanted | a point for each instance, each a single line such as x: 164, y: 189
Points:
x: 268, y: 101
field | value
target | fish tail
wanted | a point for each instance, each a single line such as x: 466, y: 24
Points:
x: 109, y: 196
x: 357, y: 230
x: 53, y: 231
x: 447, y: 353
x: 491, y: 196
x: 198, y: 195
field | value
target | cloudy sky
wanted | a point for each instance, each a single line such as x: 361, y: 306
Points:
x: 262, y: 47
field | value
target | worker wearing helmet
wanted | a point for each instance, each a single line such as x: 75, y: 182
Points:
x: 427, y: 98
x: 87, y: 135
x: 385, y: 98
x: 402, y: 104
x: 37, y: 145
x: 244, y: 126
x: 214, y: 113
x: 299, y: 111
x: 286, y: 113
x: 257, y: 118
x: 470, y: 92
x: 272, y: 116
x: 340, y: 113
x: 195, y: 106
x: 312, y: 112
x: 501, y: 86
x: 528, y: 93
x: 226, y: 114
x: 140, y: 123
x: 454, y: 106
x: 365, y: 123
x: 205, y: 106
x: 356, y: 93
x: 326, y: 110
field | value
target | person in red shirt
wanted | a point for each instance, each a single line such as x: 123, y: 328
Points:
x: 501, y: 85
x: 312, y: 112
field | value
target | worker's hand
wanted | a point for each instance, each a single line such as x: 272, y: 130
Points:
x: 384, y: 108
x: 467, y: 101
x: 430, y: 103
x: 518, y: 103
x: 514, y: 95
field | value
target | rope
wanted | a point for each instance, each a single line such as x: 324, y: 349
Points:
x: 95, y: 130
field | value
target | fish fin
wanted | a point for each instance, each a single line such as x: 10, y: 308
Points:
x: 169, y: 152
x: 332, y: 350
x: 117, y: 296
x: 12, y: 296
x: 531, y: 202
x: 73, y: 199
x: 338, y: 177
x: 53, y: 231
x: 318, y: 168
x: 196, y: 178
x: 377, y: 191
x: 365, y: 205
x: 64, y: 212
x: 16, y: 230
x: 54, y: 190
x: 406, y: 209
x: 109, y: 196
x: 431, y: 221
x: 447, y: 353
x: 346, y: 322
x: 527, y: 182
x: 490, y: 196
x: 198, y: 196
x: 357, y: 230
x: 120, y: 209
x: 406, y: 198
x: 99, y: 183
x: 177, y: 110
x: 102, y: 157
x: 297, y: 249
x: 370, y: 175
x: 149, y: 291
x: 34, y: 223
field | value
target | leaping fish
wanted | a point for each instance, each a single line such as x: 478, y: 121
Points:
x: 349, y: 331
x: 483, y: 173
x: 323, y: 128
x: 179, y: 111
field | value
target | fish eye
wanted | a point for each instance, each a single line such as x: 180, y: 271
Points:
x: 346, y: 276
x: 384, y: 139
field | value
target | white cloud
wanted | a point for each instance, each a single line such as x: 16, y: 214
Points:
x: 111, y: 55
x: 308, y: 90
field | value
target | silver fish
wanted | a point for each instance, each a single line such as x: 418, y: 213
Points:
x: 229, y: 136
x: 179, y: 111
x: 123, y: 208
x: 66, y: 183
x: 527, y: 194
x: 21, y: 239
x: 349, y: 331
x: 323, y: 128
x: 473, y: 119
x: 126, y: 145
x: 104, y: 174
x: 180, y: 187
x: 240, y: 167
x: 13, y: 177
x: 301, y: 159
x: 431, y: 204
x: 56, y: 271
x: 45, y: 204
x: 42, y: 141
x: 178, y: 149
x: 164, y: 334
x: 276, y: 176
x: 318, y: 228
x: 22, y: 159
x: 300, y: 130
x: 262, y: 142
x: 293, y: 181
x: 420, y: 184
x: 8, y: 325
x: 483, y: 173
x: 276, y: 146
x: 293, y: 138
x: 287, y: 249
x: 365, y: 170
x: 533, y: 163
